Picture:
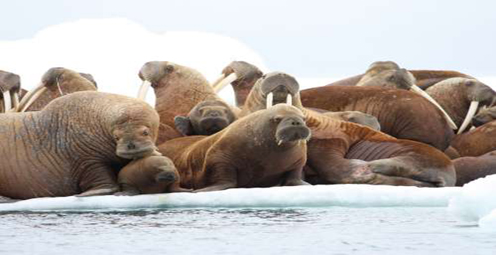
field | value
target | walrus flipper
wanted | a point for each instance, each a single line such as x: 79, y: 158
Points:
x: 183, y: 125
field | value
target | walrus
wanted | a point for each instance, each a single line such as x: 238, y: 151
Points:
x: 206, y: 118
x: 177, y: 89
x: 75, y: 145
x: 462, y: 98
x: 149, y: 175
x: 263, y: 149
x: 485, y: 115
x: 10, y: 86
x: 472, y: 168
x: 56, y: 82
x: 476, y: 142
x: 356, y: 117
x: 344, y: 152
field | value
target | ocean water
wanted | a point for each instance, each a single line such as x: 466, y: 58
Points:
x: 332, y: 230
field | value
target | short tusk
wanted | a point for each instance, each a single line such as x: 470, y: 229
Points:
x: 289, y: 99
x: 34, y: 97
x: 221, y: 77
x: 470, y: 114
x: 226, y: 81
x: 424, y: 94
x: 270, y: 100
x: 143, y: 90
x: 7, y: 104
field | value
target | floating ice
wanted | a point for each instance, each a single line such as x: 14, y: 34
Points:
x: 476, y: 202
x: 302, y: 196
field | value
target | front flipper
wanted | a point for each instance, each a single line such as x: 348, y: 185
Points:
x: 97, y: 180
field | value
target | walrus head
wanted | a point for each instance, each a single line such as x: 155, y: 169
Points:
x: 135, y: 132
x: 484, y: 116
x: 10, y: 87
x: 206, y: 118
x: 58, y: 81
x: 289, y: 122
x: 278, y: 88
x: 162, y: 169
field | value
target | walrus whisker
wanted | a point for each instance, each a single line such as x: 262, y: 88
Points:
x: 33, y: 98
x: 289, y: 99
x: 424, y: 94
x: 270, y: 100
x: 226, y: 81
x: 470, y: 115
x: 6, y: 101
x: 143, y: 90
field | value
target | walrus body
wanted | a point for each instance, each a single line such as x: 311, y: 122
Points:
x: 402, y: 114
x: 476, y: 142
x: 263, y: 149
x: 75, y: 145
x: 472, y: 168
x: 344, y: 152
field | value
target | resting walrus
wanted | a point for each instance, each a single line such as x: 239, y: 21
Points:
x: 344, y: 152
x: 472, y: 168
x: 10, y: 87
x: 75, y: 145
x: 263, y: 149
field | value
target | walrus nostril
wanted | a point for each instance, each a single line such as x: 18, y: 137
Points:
x: 131, y: 146
x: 296, y: 123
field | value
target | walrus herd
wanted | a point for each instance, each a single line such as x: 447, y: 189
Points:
x: 390, y: 126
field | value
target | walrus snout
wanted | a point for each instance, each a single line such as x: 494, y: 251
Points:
x: 213, y: 124
x: 478, y: 121
x: 292, y: 129
x: 167, y: 176
x: 132, y: 150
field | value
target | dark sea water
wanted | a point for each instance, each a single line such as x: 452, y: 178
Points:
x: 335, y: 230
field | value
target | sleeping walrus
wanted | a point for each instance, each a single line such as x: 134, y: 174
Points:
x: 263, y: 149
x: 75, y: 145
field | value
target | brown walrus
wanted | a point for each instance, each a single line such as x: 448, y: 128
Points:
x: 476, y: 142
x: 484, y: 116
x: 472, y: 168
x: 177, y: 90
x: 263, y: 149
x: 10, y: 87
x: 206, y: 118
x: 149, y: 175
x: 343, y: 152
x: 75, y: 145
x: 56, y: 82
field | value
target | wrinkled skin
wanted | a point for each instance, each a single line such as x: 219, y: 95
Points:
x: 11, y: 83
x: 401, y: 114
x: 177, y: 90
x: 476, y: 142
x: 206, y: 118
x: 343, y: 152
x: 356, y: 117
x: 71, y: 146
x: 149, y: 175
x: 263, y: 149
x: 484, y: 116
x: 472, y: 168
x: 60, y: 81
x: 456, y: 94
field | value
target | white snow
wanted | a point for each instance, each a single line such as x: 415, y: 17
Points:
x: 476, y: 202
x: 302, y: 196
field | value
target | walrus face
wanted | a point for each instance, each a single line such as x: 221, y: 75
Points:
x: 484, y: 116
x: 206, y: 118
x: 10, y: 86
x: 478, y: 91
x: 162, y: 167
x: 134, y: 141
x: 290, y: 125
x: 278, y: 88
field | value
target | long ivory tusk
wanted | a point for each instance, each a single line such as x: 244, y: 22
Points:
x: 221, y: 77
x: 30, y: 94
x: 270, y: 100
x: 15, y: 102
x: 424, y: 94
x: 144, y: 89
x: 289, y: 99
x: 470, y: 115
x: 226, y: 81
x: 7, y: 104
x: 32, y: 99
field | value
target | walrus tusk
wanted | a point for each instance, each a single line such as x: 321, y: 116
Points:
x: 270, y: 100
x: 470, y: 115
x: 15, y: 95
x: 6, y: 101
x: 226, y: 81
x: 143, y: 90
x: 289, y: 99
x: 221, y: 77
x: 424, y: 94
x: 37, y: 93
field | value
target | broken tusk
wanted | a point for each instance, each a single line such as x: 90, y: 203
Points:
x: 470, y: 114
x: 424, y: 94
x: 226, y: 81
x: 143, y: 90
x: 270, y: 100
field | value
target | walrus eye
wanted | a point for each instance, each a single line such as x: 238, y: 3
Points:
x: 146, y: 133
x: 277, y: 119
